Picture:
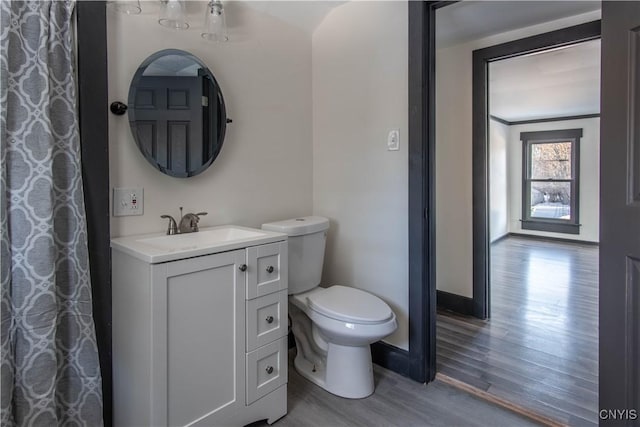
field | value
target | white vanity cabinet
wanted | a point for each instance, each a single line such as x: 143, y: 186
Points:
x: 200, y: 340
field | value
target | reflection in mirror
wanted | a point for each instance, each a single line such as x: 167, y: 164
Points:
x: 177, y: 113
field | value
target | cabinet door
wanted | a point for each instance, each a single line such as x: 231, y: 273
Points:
x: 198, y: 320
x: 267, y: 269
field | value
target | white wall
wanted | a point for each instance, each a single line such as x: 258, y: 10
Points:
x: 264, y: 170
x: 360, y: 93
x: 454, y: 237
x: 498, y: 180
x: 589, y: 214
x: 288, y: 153
x: 273, y: 159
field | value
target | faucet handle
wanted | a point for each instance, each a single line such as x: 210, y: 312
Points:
x: 194, y: 225
x: 173, y: 227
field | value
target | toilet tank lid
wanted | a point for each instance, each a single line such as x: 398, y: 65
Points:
x: 298, y: 226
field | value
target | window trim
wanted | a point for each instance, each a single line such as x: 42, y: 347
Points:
x: 572, y: 225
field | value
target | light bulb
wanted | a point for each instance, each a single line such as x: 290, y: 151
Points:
x: 215, y: 26
x: 172, y: 15
x: 130, y: 7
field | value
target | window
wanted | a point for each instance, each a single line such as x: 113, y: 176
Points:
x: 550, y: 178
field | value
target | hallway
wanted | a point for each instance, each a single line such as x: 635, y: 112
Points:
x: 539, y: 350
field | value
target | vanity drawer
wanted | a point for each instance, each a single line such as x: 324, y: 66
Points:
x: 267, y: 269
x: 266, y: 369
x: 266, y: 319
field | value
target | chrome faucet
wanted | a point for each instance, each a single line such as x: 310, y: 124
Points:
x: 188, y: 223
x: 173, y: 228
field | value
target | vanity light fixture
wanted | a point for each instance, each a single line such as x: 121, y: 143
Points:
x: 215, y: 26
x: 173, y: 15
x: 130, y: 7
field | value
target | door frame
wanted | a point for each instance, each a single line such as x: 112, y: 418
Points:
x: 480, y: 169
x: 421, y: 215
x: 619, y: 266
x: 91, y: 26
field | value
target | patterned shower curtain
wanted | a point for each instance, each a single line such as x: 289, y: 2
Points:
x: 50, y: 373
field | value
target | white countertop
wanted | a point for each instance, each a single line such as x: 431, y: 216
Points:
x: 159, y: 247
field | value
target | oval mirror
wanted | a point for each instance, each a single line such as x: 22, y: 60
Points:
x: 177, y: 113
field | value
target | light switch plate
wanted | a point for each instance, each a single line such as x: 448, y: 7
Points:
x: 128, y: 201
x: 393, y: 140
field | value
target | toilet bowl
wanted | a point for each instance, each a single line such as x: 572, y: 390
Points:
x: 333, y: 348
x: 333, y: 326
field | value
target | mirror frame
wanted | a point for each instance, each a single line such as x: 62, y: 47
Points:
x: 221, y: 105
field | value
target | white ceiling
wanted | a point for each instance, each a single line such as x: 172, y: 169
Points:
x: 304, y: 14
x: 564, y: 82
x: 471, y: 20
x: 457, y: 23
x: 557, y: 83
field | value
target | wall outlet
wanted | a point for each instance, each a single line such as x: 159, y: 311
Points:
x: 393, y: 140
x: 128, y: 201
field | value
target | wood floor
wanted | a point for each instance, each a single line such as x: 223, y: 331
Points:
x: 540, y: 347
x: 397, y: 401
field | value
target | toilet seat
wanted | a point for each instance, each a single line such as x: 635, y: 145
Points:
x: 349, y: 305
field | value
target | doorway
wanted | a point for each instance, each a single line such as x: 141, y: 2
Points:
x: 482, y: 59
x: 619, y: 382
x: 544, y: 181
x: 515, y: 361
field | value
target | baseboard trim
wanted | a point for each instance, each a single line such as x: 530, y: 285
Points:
x: 391, y: 357
x: 455, y: 303
x: 553, y: 239
x: 496, y: 240
x: 518, y: 409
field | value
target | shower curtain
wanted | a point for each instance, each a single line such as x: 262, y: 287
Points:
x: 49, y: 362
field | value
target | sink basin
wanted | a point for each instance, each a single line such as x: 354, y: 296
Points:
x: 204, y: 238
x: 155, y: 248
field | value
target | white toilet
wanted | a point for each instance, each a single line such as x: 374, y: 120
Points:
x: 332, y: 326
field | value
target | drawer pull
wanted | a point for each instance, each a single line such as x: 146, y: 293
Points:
x: 269, y: 369
x: 243, y: 267
x: 269, y: 319
x: 270, y: 269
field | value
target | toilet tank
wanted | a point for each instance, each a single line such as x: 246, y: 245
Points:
x: 307, y: 238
